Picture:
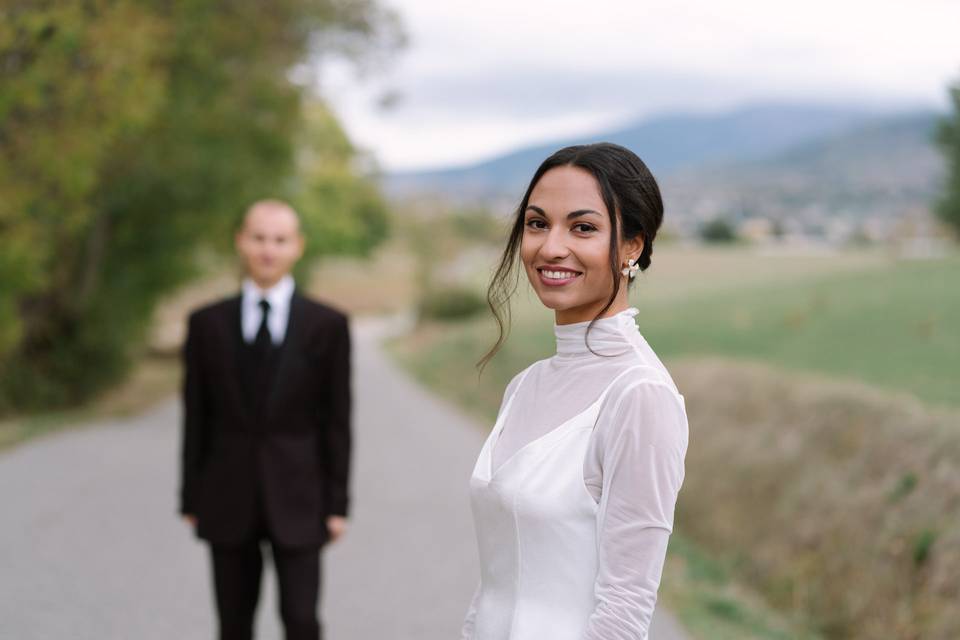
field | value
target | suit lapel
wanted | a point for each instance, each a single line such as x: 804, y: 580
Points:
x: 234, y: 345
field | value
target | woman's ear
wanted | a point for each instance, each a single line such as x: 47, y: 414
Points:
x: 632, y: 248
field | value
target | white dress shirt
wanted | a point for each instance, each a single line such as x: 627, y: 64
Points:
x: 634, y: 465
x: 251, y: 315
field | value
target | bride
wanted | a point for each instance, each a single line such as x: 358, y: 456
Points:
x: 573, y: 493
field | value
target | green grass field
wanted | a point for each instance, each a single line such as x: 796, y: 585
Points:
x: 896, y: 327
x: 890, y: 323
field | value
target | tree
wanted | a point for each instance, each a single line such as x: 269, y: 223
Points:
x: 948, y: 137
x: 341, y: 211
x: 130, y: 132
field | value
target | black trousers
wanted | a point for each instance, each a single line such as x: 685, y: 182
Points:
x: 236, y: 580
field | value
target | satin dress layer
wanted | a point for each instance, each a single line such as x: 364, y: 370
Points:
x: 574, y: 490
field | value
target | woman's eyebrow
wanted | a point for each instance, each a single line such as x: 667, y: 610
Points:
x: 570, y: 216
x: 581, y: 212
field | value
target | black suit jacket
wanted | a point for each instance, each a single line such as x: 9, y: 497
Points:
x: 296, y: 458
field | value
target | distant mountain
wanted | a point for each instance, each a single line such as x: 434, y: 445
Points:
x: 667, y: 144
x: 884, y: 168
x: 898, y: 146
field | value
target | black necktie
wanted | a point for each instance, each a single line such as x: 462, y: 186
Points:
x: 263, y: 342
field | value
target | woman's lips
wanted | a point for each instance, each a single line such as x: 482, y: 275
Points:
x: 557, y: 277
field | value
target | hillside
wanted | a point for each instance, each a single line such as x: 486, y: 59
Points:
x: 668, y: 143
x: 881, y: 171
x: 801, y: 172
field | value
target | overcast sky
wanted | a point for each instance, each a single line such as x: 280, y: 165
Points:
x: 478, y: 78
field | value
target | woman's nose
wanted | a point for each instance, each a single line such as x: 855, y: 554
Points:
x: 554, y: 245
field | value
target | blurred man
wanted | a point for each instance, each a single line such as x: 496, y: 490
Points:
x: 266, y: 439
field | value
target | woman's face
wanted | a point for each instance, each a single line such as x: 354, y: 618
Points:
x: 566, y: 244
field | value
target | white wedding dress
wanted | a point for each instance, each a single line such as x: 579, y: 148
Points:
x: 574, y: 490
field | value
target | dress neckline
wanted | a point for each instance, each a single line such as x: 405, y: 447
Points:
x: 608, y: 336
x: 552, y: 433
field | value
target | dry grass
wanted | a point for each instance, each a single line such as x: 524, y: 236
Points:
x: 839, y: 502
x: 383, y: 283
x: 168, y: 329
x: 152, y: 380
x: 680, y: 272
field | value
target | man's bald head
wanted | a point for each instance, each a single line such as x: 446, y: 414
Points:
x: 271, y: 208
x: 269, y: 241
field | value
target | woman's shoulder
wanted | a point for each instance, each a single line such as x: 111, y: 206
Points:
x: 642, y: 367
x: 642, y: 382
x: 645, y: 398
x: 519, y: 377
x: 514, y: 384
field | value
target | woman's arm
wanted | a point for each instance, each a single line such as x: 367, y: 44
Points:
x: 639, y: 448
x: 467, y: 632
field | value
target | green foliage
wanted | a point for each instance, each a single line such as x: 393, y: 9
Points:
x: 923, y: 545
x: 342, y: 212
x: 130, y: 133
x: 904, y: 487
x: 479, y: 225
x: 948, y: 137
x: 727, y: 608
x: 451, y: 303
x: 718, y: 230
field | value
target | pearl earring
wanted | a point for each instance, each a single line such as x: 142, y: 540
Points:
x: 631, y: 269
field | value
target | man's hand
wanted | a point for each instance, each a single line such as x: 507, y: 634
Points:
x: 191, y: 519
x: 337, y: 526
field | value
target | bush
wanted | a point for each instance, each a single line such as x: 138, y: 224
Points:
x: 718, y: 230
x: 451, y: 303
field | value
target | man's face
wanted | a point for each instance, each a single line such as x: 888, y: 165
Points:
x: 269, y: 244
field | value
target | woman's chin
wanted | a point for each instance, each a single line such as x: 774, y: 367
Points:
x: 556, y: 301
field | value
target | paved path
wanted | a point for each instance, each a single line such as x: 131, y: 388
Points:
x: 90, y: 548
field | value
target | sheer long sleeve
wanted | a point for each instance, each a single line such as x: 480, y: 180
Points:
x: 467, y: 632
x: 635, y: 469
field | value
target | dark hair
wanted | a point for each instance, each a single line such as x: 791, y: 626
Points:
x: 632, y: 198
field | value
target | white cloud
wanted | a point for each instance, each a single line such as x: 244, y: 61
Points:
x: 481, y: 78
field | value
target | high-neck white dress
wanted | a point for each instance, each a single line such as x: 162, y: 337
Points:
x: 574, y: 491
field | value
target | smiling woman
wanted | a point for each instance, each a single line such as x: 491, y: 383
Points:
x: 573, y: 493
x: 566, y: 255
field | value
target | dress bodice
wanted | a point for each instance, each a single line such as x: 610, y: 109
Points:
x: 534, y: 520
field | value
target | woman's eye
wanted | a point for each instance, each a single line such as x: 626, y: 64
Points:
x: 583, y: 227
x: 535, y: 223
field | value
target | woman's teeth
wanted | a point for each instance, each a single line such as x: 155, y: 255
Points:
x: 559, y: 275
